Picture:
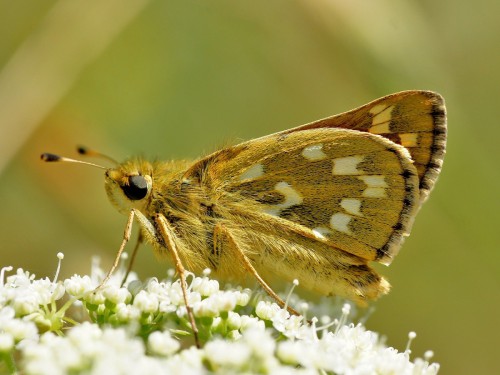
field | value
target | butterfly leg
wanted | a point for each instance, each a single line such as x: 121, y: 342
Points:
x: 168, y: 235
x: 126, y: 238
x: 223, y: 236
x: 140, y: 239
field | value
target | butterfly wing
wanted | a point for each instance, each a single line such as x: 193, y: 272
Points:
x: 351, y: 190
x: 319, y: 201
x: 414, y: 119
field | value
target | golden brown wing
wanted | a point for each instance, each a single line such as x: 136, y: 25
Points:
x: 413, y: 119
x: 351, y: 190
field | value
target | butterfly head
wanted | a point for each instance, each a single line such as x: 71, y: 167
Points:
x: 129, y: 185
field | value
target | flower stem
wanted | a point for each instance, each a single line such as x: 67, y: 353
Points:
x: 8, y: 359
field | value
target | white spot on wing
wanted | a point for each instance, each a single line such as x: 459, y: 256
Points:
x: 374, y: 180
x: 255, y: 171
x: 351, y: 206
x: 292, y: 198
x: 347, y: 165
x: 314, y: 152
x: 340, y: 221
x: 321, y: 232
x: 374, y: 192
x: 376, y: 186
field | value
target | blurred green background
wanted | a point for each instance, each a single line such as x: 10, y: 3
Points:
x: 176, y: 79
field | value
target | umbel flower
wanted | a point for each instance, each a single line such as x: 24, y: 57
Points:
x: 66, y: 326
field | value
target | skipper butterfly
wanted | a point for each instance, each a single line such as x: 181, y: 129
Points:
x: 316, y: 203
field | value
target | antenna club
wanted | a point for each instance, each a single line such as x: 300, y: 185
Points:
x: 82, y: 150
x: 50, y: 157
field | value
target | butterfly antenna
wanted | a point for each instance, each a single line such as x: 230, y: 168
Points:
x: 82, y: 150
x: 56, y: 158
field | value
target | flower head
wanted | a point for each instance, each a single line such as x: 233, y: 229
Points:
x: 143, y: 328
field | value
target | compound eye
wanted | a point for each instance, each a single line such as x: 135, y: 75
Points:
x: 136, y: 189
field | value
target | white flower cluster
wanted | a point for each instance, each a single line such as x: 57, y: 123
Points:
x: 144, y: 329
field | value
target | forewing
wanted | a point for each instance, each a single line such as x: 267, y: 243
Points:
x: 348, y: 189
x: 414, y: 119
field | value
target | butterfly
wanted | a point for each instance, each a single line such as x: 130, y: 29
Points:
x: 317, y: 203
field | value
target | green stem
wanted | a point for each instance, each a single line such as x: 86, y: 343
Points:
x: 68, y: 304
x: 70, y: 321
x: 9, y: 361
